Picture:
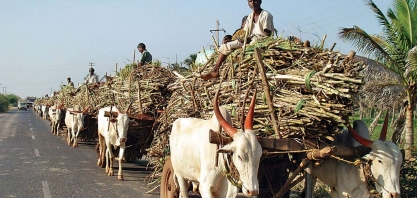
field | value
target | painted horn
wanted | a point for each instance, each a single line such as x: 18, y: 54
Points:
x: 359, y: 138
x: 128, y: 107
x: 223, y: 123
x: 249, y: 117
x: 383, y: 134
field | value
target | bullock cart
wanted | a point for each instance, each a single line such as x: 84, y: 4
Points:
x: 305, y: 95
x: 145, y: 86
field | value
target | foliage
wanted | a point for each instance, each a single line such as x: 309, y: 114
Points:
x: 12, y: 99
x: 408, y: 179
x: 395, y: 48
x: 190, y: 60
x: 4, y: 103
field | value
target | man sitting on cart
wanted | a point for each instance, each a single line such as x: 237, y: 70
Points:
x: 259, y: 24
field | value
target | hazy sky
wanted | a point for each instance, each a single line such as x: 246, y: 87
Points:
x: 43, y: 42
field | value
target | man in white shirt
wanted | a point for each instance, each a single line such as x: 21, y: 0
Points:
x: 92, y: 78
x: 259, y: 24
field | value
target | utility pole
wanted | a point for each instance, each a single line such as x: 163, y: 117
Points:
x: 91, y: 64
x: 217, y: 30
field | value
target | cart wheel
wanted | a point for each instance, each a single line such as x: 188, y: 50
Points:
x: 168, y: 189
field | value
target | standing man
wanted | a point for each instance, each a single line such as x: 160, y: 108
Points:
x: 70, y: 83
x: 259, y: 24
x: 92, y: 78
x: 146, y: 56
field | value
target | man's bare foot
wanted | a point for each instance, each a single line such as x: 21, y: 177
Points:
x: 210, y: 75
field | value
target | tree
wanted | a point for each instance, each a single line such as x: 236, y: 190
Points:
x: 190, y: 60
x: 12, y: 99
x: 4, y: 104
x: 395, y: 48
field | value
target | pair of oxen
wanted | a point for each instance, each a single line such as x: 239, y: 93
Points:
x: 194, y: 159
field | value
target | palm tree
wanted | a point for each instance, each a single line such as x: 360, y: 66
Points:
x: 395, y: 48
x: 190, y: 60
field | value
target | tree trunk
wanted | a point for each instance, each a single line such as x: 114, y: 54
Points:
x: 360, y: 111
x: 375, y: 122
x: 409, y: 123
x: 398, y: 126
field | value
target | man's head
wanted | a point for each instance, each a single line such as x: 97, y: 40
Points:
x: 69, y: 79
x: 91, y: 70
x: 227, y: 39
x: 141, y: 47
x: 255, y: 5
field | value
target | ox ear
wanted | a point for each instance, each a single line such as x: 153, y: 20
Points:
x: 227, y: 149
x: 133, y: 123
x: 113, y: 120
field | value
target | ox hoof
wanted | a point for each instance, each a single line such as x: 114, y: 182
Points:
x: 120, y: 177
x: 111, y: 173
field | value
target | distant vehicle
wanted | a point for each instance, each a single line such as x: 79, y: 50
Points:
x: 22, y: 106
x: 29, y: 104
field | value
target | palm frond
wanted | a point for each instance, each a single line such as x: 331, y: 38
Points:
x: 406, y: 19
x: 379, y: 15
x: 381, y: 94
x: 379, y: 72
x: 412, y: 64
x: 365, y: 43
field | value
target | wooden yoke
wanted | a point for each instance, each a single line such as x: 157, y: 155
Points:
x: 216, y: 138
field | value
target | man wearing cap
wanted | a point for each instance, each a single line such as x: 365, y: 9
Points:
x: 92, y: 78
x: 70, y: 83
x: 146, y: 56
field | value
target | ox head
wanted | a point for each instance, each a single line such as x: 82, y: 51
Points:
x: 245, y: 148
x: 385, y: 159
x: 123, y: 122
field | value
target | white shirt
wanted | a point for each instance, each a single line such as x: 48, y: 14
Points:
x: 91, y: 79
x: 256, y: 30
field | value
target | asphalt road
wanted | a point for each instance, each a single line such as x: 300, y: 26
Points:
x: 35, y: 163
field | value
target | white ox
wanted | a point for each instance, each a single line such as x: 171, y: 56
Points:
x: 347, y: 180
x: 193, y: 157
x: 112, y: 131
x: 45, y: 110
x: 55, y: 115
x: 74, y: 120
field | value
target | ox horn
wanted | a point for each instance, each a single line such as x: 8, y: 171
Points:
x: 383, y: 134
x: 249, y: 117
x: 359, y: 138
x: 128, y: 107
x: 223, y: 123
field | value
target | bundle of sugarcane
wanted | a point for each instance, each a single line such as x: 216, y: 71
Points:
x: 304, y: 92
x: 145, y: 86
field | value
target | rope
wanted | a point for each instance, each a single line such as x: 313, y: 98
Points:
x: 286, y: 152
x: 356, y: 162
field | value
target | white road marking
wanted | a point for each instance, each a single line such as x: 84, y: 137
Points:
x: 37, y: 152
x: 33, y: 137
x: 46, y: 192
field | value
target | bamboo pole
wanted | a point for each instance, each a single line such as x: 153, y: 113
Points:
x: 265, y: 85
x: 284, y: 188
